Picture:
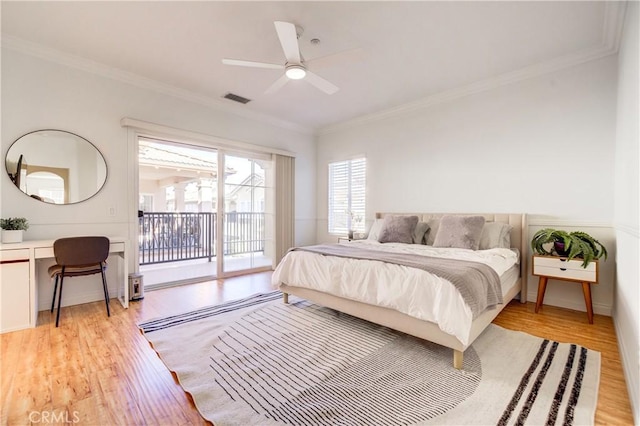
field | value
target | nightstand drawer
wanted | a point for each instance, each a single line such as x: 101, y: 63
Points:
x: 558, y: 267
x: 564, y: 273
x: 557, y: 262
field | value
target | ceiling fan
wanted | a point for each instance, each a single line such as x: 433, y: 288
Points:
x: 295, y: 67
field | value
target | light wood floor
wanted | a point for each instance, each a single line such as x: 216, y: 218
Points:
x: 95, y: 370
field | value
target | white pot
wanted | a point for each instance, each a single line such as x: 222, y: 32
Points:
x: 12, y: 236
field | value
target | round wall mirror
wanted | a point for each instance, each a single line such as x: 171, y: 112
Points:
x: 56, y: 167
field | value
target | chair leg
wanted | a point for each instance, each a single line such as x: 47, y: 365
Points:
x: 60, y: 298
x: 106, y: 293
x: 55, y: 290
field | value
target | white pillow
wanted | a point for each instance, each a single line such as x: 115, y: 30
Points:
x: 374, y: 231
x: 495, y: 235
x: 420, y: 232
x: 434, y: 224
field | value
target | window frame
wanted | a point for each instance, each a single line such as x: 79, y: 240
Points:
x: 347, y: 210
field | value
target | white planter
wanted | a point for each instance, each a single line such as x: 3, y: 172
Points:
x: 12, y: 236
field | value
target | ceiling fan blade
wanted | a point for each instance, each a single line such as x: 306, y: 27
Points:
x: 289, y: 41
x: 241, y: 63
x: 277, y: 85
x: 321, y: 83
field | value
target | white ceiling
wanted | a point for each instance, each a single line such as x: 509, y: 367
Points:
x: 410, y: 51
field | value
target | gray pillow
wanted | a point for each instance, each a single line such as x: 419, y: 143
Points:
x: 459, y: 232
x: 495, y: 235
x: 398, y: 229
x: 420, y: 233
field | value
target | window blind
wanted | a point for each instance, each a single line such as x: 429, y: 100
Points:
x: 347, y: 195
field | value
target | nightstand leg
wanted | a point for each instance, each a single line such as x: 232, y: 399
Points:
x: 586, y: 289
x: 542, y: 286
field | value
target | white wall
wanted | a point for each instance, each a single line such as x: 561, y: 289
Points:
x: 39, y: 94
x: 543, y: 146
x: 627, y: 215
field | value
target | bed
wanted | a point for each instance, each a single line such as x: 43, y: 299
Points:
x: 308, y: 275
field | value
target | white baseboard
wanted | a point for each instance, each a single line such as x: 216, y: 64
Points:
x: 632, y: 379
x: 576, y: 305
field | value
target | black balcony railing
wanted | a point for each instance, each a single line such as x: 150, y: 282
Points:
x: 172, y: 237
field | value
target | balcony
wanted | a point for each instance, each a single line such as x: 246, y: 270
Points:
x: 181, y: 244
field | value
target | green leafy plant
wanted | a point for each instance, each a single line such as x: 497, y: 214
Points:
x: 568, y: 244
x: 14, y: 224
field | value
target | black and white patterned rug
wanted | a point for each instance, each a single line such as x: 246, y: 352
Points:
x: 259, y: 361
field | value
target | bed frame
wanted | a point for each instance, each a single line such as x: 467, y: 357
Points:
x: 425, y: 329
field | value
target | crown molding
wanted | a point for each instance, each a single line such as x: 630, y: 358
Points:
x: 97, y: 68
x: 474, y: 88
x: 611, y: 35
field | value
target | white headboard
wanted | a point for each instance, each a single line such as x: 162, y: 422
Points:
x: 519, y: 236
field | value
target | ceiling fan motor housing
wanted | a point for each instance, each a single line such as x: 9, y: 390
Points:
x: 295, y: 71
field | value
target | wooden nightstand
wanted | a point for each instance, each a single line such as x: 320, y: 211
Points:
x: 560, y: 268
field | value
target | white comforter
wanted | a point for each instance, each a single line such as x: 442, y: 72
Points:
x: 414, y: 292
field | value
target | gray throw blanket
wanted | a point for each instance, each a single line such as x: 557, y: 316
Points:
x: 478, y: 283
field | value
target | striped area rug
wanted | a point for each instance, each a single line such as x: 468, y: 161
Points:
x: 257, y: 361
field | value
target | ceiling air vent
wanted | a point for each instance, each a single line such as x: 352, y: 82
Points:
x: 236, y: 98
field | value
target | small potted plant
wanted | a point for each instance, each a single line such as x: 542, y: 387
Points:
x: 12, y: 229
x: 571, y: 245
x: 353, y: 224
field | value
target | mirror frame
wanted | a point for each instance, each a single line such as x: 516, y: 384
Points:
x: 21, y: 165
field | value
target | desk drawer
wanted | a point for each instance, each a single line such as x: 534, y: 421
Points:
x: 14, y: 255
x: 47, y: 252
x: 44, y: 253
x: 116, y: 248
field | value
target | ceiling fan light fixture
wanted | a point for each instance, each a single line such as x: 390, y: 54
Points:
x: 295, y: 72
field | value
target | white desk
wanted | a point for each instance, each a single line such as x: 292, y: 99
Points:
x: 19, y: 284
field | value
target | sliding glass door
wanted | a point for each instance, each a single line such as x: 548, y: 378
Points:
x: 248, y: 213
x: 203, y: 213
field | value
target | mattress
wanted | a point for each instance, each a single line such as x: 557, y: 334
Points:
x: 411, y: 291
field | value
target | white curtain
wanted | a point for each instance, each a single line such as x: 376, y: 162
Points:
x: 284, y: 205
